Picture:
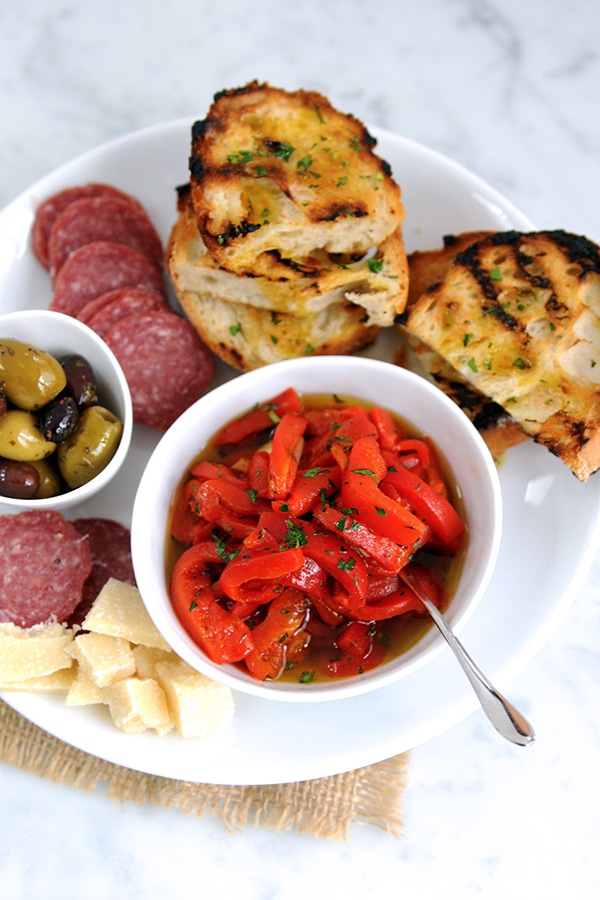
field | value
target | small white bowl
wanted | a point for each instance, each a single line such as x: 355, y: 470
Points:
x: 411, y: 397
x: 60, y: 335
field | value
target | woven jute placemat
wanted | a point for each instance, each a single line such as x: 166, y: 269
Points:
x: 323, y: 807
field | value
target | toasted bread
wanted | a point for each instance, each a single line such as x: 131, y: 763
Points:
x: 247, y: 337
x: 427, y: 268
x: 378, y: 284
x: 518, y: 317
x: 284, y: 172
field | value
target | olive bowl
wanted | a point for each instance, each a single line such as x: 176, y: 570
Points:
x: 60, y: 335
x: 410, y: 397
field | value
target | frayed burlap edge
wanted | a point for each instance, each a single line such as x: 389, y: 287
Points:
x: 324, y: 807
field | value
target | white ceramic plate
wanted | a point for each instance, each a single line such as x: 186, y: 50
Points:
x: 551, y: 521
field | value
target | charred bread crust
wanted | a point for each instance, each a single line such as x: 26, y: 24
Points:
x: 517, y: 315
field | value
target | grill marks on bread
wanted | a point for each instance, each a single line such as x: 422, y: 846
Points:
x: 518, y: 316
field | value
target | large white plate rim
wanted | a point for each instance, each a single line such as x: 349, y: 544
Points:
x: 268, y: 743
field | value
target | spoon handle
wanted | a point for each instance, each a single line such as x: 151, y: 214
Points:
x: 507, y: 720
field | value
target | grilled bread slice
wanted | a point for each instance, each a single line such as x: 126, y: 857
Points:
x: 378, y: 284
x: 518, y: 316
x: 427, y: 268
x: 247, y: 337
x: 284, y: 172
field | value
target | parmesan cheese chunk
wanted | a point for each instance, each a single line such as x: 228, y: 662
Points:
x: 103, y: 658
x: 58, y: 682
x: 83, y: 691
x: 119, y: 611
x: 137, y: 704
x: 32, y: 653
x: 198, y: 705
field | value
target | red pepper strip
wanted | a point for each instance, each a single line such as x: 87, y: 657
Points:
x: 429, y: 505
x: 395, y: 604
x: 348, y: 431
x: 264, y: 417
x: 356, y: 639
x: 332, y: 553
x: 286, y: 450
x: 360, y: 490
x: 223, y: 636
x: 360, y: 651
x: 327, y: 421
x: 433, y: 474
x: 233, y: 524
x: 311, y: 579
x: 387, y: 429
x: 310, y: 486
x: 183, y: 517
x: 414, y: 446
x: 205, y: 470
x: 238, y: 497
x: 260, y: 539
x: 272, y: 638
x: 256, y: 574
x: 386, y: 553
x: 258, y: 473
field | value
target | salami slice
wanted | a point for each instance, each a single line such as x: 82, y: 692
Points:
x: 102, y: 219
x: 44, y: 564
x: 102, y: 313
x: 100, y: 267
x: 49, y: 211
x: 110, y: 547
x: 166, y: 365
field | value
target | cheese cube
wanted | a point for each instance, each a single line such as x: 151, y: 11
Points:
x: 28, y: 653
x: 146, y: 659
x: 83, y: 691
x: 103, y: 658
x: 137, y: 704
x: 119, y: 610
x: 198, y: 705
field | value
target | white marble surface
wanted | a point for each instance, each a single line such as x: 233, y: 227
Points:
x: 509, y: 89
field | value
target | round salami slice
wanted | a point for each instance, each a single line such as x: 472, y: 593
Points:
x: 102, y: 219
x: 102, y: 313
x: 100, y: 267
x: 49, y: 211
x: 110, y: 547
x: 44, y: 564
x: 166, y: 365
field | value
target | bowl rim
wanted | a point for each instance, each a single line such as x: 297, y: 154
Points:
x: 236, y: 393
x: 122, y: 397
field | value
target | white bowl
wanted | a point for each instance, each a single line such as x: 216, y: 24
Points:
x: 59, y: 335
x: 408, y: 395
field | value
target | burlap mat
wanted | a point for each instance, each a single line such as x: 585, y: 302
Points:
x: 324, y: 807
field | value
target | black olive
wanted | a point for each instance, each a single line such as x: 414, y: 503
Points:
x: 81, y: 382
x: 18, y: 480
x: 58, y: 420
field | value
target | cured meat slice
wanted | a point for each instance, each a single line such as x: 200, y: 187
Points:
x: 100, y: 267
x: 102, y: 219
x: 110, y: 547
x: 165, y: 363
x: 44, y: 564
x: 50, y: 210
x: 102, y: 313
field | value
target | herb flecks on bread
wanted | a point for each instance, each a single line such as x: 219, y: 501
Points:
x: 288, y: 240
x: 517, y: 315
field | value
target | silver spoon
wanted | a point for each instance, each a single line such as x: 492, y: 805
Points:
x: 502, y: 714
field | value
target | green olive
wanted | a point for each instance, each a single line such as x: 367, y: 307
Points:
x: 51, y: 484
x: 82, y: 456
x: 29, y: 377
x: 21, y: 438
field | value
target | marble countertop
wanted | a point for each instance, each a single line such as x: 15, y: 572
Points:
x: 508, y: 89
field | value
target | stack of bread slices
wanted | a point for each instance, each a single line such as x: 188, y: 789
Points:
x: 288, y: 238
